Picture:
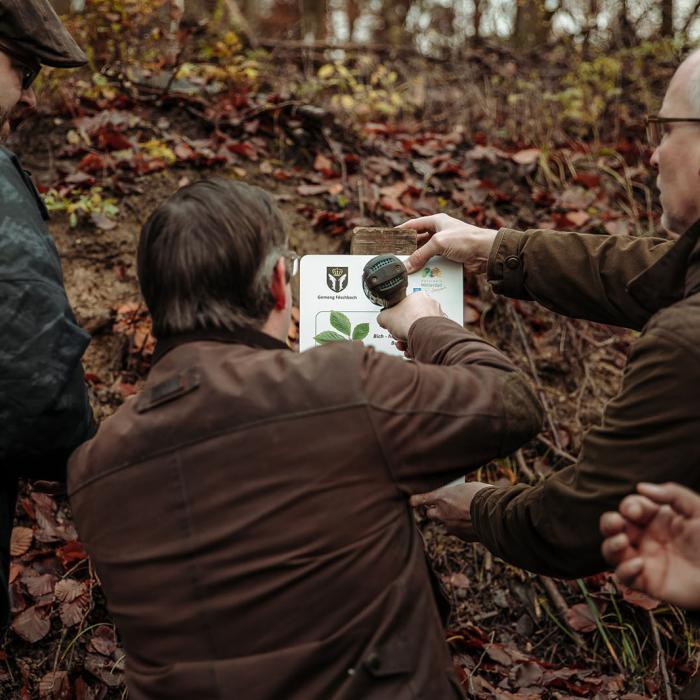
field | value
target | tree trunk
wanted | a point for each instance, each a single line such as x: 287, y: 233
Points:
x: 624, y: 33
x: 533, y: 24
x: 394, y: 14
x: 590, y: 24
x: 476, y: 19
x: 226, y: 13
x: 281, y: 21
x: 249, y: 8
x: 313, y: 19
x: 353, y: 13
x: 666, y: 17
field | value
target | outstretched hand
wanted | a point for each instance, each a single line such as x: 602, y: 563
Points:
x: 451, y: 505
x: 456, y: 240
x: 654, y: 542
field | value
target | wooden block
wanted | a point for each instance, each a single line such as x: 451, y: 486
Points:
x: 375, y: 241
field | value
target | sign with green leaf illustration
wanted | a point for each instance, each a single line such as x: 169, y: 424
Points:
x: 334, y: 309
x: 343, y: 330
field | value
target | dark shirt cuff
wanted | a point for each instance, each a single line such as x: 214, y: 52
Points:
x: 505, y: 270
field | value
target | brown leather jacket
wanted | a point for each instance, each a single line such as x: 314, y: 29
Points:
x: 248, y: 512
x: 650, y: 429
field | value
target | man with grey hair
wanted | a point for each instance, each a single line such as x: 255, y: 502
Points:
x: 650, y: 429
x: 44, y: 409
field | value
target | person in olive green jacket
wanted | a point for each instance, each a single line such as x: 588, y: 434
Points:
x: 650, y: 429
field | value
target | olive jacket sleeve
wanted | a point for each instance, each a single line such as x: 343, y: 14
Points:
x: 44, y: 408
x: 576, y: 274
x: 648, y: 434
x: 552, y: 527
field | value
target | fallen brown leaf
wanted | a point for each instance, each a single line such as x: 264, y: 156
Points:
x: 20, y: 541
x: 55, y: 686
x: 75, y: 601
x: 32, y: 625
x: 580, y: 618
x: 639, y: 599
x: 103, y: 641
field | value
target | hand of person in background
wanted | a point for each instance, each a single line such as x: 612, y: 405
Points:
x: 456, y: 240
x: 399, y: 319
x: 653, y: 542
x: 451, y: 505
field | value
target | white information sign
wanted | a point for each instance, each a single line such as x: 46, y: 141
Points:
x: 333, y: 305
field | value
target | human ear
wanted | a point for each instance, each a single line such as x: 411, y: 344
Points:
x: 279, y: 285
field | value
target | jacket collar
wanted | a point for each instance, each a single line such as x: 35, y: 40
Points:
x: 674, y: 276
x: 243, y: 336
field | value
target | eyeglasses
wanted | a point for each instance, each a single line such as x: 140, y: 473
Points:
x: 657, y: 127
x: 28, y: 71
x: 291, y: 261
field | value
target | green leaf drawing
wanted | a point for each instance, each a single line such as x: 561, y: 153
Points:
x: 361, y: 331
x: 328, y: 337
x: 341, y: 323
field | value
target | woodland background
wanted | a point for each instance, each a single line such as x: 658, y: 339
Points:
x: 351, y: 112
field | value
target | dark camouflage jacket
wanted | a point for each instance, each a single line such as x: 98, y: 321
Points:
x: 44, y: 409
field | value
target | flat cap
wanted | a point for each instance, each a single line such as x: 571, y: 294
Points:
x: 32, y: 27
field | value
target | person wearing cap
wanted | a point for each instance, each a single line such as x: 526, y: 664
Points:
x: 44, y: 408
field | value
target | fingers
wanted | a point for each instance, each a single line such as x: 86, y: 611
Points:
x: 681, y: 499
x: 418, y: 259
x: 423, y: 224
x: 629, y: 571
x: 638, y: 509
x: 616, y: 549
x: 611, y: 524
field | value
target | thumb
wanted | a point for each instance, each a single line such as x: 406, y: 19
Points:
x: 418, y: 259
x: 422, y: 499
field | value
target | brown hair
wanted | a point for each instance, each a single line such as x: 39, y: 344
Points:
x: 206, y: 256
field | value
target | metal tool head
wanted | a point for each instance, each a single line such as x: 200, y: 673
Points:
x: 384, y: 280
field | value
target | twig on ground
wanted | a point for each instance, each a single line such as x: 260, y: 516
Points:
x: 522, y: 466
x: 560, y: 605
x: 661, y: 658
x: 557, y: 450
x: 579, y: 398
x: 535, y: 375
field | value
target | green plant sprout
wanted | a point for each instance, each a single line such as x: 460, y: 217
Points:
x: 342, y: 324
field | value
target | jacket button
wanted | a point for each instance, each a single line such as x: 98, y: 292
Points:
x: 512, y: 262
x: 374, y: 661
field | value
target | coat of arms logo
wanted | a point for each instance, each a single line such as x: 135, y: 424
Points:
x: 337, y: 278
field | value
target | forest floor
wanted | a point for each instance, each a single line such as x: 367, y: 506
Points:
x: 107, y: 149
